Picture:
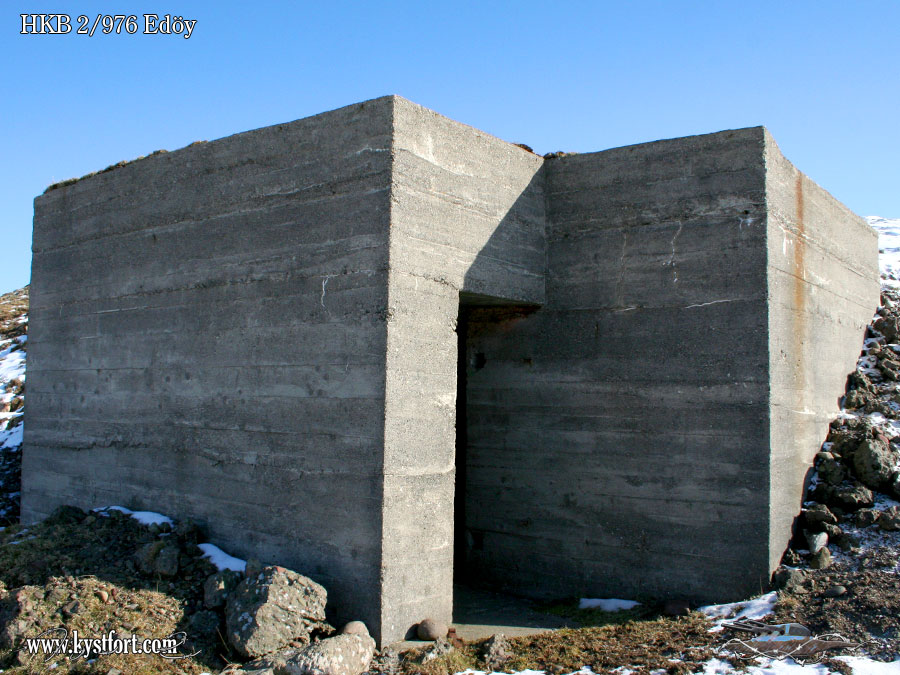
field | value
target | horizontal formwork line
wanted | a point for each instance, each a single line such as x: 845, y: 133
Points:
x: 479, y: 256
x: 262, y: 209
x: 181, y: 425
x: 693, y: 303
x: 570, y: 555
x: 305, y: 473
x: 186, y: 399
x: 328, y: 252
x: 826, y: 289
x: 519, y: 448
x: 163, y: 368
x: 286, y: 276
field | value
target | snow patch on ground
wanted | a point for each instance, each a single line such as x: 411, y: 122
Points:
x: 143, y: 517
x: 222, y: 560
x: 12, y: 367
x: 757, y: 608
x: 583, y: 671
x: 12, y: 439
x: 607, y: 604
x: 860, y: 666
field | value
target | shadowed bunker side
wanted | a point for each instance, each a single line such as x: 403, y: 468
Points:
x: 373, y: 342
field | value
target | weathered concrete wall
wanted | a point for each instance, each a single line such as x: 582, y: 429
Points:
x: 467, y: 214
x: 823, y: 292
x: 618, y: 438
x: 208, y: 339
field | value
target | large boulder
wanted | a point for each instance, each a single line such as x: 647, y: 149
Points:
x: 874, y: 462
x: 273, y: 608
x: 345, y: 654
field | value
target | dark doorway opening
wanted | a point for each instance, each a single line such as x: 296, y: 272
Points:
x: 460, y: 546
x: 482, y: 328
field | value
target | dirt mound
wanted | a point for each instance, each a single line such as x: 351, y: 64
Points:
x: 84, y: 572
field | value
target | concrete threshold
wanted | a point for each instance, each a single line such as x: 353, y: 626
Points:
x: 479, y: 614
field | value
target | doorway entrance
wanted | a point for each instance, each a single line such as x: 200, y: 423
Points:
x: 484, y: 349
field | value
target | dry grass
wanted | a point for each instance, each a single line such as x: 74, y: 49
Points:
x: 674, y: 645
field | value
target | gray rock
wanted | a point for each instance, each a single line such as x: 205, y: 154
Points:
x: 218, y: 586
x: 166, y: 563
x: 831, y: 530
x: 791, y: 558
x: 856, y: 398
x: 788, y: 579
x: 65, y: 515
x: 890, y: 519
x: 146, y: 555
x: 846, y: 541
x: 344, y: 654
x: 188, y: 532
x: 816, y: 516
x: 17, y: 614
x: 431, y: 629
x: 851, y: 497
x: 874, y: 462
x: 269, y: 610
x: 497, y: 652
x: 820, y: 560
x: 866, y: 517
x: 355, y: 628
x: 831, y: 471
x: 817, y: 541
x: 836, y: 591
x: 894, y: 488
x: 253, y: 567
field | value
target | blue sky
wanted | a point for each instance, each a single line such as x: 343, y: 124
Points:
x: 823, y: 76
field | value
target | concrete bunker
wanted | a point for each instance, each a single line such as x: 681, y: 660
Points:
x: 260, y: 333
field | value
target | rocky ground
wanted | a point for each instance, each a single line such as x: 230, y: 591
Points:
x: 842, y: 572
x: 101, y: 571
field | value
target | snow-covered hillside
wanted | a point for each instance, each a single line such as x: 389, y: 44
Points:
x: 13, y: 337
x: 888, y: 248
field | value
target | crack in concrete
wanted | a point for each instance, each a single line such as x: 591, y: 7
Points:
x: 671, y: 262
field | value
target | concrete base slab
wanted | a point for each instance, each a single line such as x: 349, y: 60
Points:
x: 479, y: 614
